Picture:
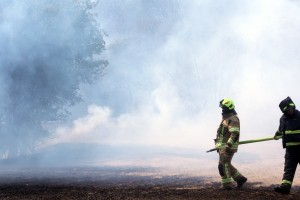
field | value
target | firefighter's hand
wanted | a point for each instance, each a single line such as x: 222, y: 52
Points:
x: 228, y: 146
x: 277, y: 135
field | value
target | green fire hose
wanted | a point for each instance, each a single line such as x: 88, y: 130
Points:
x: 249, y: 141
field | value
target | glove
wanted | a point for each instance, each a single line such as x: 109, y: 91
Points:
x: 277, y: 135
x: 228, y: 146
x: 217, y: 147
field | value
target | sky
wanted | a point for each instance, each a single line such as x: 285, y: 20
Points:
x: 171, y: 62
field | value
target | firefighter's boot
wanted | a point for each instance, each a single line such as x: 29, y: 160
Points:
x: 241, y: 182
x: 283, y: 189
x: 226, y: 187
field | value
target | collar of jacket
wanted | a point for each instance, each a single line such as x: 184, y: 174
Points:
x: 226, y: 115
x: 287, y: 116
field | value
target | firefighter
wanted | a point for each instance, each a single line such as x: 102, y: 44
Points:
x: 289, y: 130
x: 227, y: 144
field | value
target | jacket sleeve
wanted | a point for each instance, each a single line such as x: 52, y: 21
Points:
x: 234, y: 129
x: 282, y: 125
x: 282, y: 129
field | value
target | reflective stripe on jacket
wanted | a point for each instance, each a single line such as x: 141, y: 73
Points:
x: 228, y: 132
x: 290, y: 129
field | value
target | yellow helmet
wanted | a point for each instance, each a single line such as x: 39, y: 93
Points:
x: 227, y: 103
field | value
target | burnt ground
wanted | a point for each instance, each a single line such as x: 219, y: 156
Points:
x: 73, y: 191
x: 122, y: 183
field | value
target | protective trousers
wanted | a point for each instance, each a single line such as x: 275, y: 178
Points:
x: 227, y: 171
x: 292, y: 159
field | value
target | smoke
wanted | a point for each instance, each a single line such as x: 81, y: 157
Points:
x: 201, y: 52
x: 48, y: 50
x: 172, y: 61
x: 164, y: 88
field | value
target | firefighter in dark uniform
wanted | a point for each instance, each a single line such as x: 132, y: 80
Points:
x: 289, y: 130
x: 226, y: 142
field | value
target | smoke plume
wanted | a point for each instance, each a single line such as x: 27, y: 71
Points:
x: 48, y: 50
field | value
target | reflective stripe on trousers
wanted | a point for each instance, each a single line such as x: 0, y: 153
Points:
x: 227, y: 171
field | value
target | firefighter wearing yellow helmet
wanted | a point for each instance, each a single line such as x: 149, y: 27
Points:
x: 227, y: 144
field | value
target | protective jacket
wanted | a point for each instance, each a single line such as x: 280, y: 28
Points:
x: 290, y: 129
x: 228, y: 132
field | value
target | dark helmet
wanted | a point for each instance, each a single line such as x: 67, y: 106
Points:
x: 286, y: 104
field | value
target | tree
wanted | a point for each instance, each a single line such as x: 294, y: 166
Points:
x: 48, y: 50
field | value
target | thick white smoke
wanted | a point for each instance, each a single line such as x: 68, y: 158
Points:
x: 209, y: 50
x: 48, y: 50
x: 171, y: 62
